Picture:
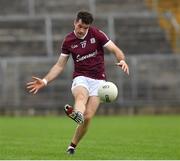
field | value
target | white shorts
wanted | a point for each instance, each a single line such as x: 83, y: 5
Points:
x: 90, y: 84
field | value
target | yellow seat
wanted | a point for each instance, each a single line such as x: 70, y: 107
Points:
x: 162, y: 7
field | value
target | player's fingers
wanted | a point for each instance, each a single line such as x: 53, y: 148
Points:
x: 126, y: 70
x: 30, y: 83
x: 118, y: 64
x: 123, y: 66
x: 35, y: 91
x: 32, y: 90
x: 30, y: 86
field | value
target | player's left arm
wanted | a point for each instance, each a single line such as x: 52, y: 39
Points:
x: 119, y: 55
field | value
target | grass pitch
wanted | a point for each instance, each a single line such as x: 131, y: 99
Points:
x: 110, y: 138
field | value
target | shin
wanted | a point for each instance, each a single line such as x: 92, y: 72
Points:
x: 90, y: 111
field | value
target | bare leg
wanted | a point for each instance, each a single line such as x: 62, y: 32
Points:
x: 81, y: 96
x: 90, y: 111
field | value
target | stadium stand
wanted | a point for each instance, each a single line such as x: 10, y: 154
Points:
x: 135, y: 33
x: 17, y: 7
x: 22, y: 37
x: 106, y: 6
x: 59, y: 7
x: 36, y: 27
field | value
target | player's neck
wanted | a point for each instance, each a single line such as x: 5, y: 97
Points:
x: 81, y: 37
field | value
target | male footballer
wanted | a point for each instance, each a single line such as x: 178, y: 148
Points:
x: 85, y: 44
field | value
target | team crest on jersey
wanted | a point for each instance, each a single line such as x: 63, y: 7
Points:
x: 83, y: 44
x: 92, y: 40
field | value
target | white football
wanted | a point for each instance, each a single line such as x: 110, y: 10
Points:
x: 107, y: 92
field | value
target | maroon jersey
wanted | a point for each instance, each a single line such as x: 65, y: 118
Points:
x: 87, y: 53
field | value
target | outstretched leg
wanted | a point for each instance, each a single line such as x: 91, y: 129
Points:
x: 91, y: 107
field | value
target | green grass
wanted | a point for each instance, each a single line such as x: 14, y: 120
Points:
x: 110, y: 138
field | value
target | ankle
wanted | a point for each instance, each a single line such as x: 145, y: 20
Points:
x: 72, y: 145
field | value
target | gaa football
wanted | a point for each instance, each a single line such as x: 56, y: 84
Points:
x: 107, y: 92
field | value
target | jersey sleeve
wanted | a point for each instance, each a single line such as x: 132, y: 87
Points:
x: 102, y: 37
x: 64, y: 48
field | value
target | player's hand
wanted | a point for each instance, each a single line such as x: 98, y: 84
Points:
x: 124, y: 66
x: 35, y: 85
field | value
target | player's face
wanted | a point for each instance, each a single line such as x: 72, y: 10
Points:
x: 80, y: 28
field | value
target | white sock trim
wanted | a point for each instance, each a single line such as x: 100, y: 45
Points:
x: 70, y: 147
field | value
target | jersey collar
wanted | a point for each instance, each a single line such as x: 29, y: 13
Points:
x: 83, y: 36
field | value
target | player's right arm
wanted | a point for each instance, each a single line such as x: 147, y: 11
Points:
x: 37, y: 83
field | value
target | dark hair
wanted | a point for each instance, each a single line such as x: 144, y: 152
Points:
x: 85, y: 16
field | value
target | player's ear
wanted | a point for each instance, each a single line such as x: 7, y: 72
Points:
x: 75, y: 21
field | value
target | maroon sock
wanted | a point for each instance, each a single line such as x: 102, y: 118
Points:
x: 73, y: 145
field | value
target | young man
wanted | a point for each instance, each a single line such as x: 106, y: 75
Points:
x: 85, y: 45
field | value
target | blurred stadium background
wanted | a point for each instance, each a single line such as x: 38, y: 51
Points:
x: 148, y: 31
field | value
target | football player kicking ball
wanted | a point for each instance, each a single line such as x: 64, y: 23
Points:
x: 85, y: 44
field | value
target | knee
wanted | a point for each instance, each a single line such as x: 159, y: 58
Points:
x: 81, y: 97
x: 86, y: 122
x: 88, y: 117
